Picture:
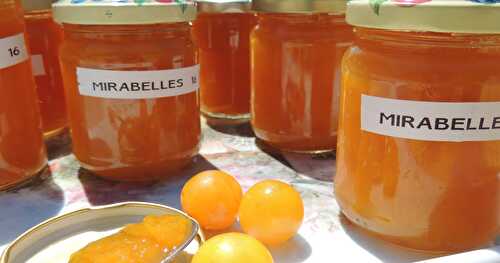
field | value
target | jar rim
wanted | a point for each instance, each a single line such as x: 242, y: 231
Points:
x: 427, y: 39
x: 223, y: 6
x: 300, y: 6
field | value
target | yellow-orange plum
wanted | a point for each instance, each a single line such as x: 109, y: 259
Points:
x: 271, y: 211
x: 233, y: 248
x: 213, y: 199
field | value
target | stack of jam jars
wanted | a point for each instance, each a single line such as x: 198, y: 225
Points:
x: 418, y: 158
x: 131, y: 80
x: 415, y: 102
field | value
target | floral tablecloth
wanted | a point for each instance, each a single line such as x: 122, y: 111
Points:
x: 324, y: 237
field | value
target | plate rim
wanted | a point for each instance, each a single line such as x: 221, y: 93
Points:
x: 5, y: 256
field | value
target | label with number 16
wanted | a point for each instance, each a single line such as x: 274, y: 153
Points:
x: 12, y: 51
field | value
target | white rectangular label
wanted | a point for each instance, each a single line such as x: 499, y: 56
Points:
x: 137, y: 84
x: 431, y: 121
x: 12, y: 51
x: 38, y: 66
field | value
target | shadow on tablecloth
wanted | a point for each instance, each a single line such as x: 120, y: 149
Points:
x: 384, y: 251
x: 26, y: 207
x: 243, y: 129
x: 59, y: 145
x: 320, y: 167
x: 103, y: 192
x: 296, y: 250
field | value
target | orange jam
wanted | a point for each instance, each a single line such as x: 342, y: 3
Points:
x: 440, y: 195
x: 22, y: 151
x: 130, y: 139
x: 224, y: 53
x: 150, y: 241
x: 45, y: 37
x: 296, y: 79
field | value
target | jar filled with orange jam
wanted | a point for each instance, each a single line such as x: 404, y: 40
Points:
x: 131, y: 80
x: 44, y: 39
x: 296, y: 51
x: 22, y: 151
x: 418, y: 159
x: 222, y: 31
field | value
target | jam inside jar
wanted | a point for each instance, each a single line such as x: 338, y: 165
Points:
x: 44, y: 39
x: 440, y: 195
x: 296, y: 79
x: 131, y: 138
x: 224, y: 53
x: 22, y: 150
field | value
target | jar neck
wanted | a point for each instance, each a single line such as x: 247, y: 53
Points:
x: 128, y: 32
x: 11, y: 14
x: 38, y: 14
x: 297, y: 19
x: 9, y: 4
x: 423, y: 40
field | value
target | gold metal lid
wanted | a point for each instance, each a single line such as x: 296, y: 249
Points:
x: 36, y: 5
x: 123, y: 12
x: 300, y: 6
x: 223, y: 6
x: 450, y: 16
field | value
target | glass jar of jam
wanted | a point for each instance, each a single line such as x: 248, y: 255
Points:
x: 131, y: 80
x: 222, y: 31
x: 44, y: 39
x: 22, y: 151
x: 418, y: 160
x: 296, y: 50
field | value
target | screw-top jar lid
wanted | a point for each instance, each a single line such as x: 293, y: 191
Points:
x: 452, y: 16
x: 300, y: 6
x: 123, y: 12
x: 36, y: 5
x: 223, y: 6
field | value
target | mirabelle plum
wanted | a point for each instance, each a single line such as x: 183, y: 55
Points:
x: 271, y: 211
x: 233, y: 248
x: 213, y: 199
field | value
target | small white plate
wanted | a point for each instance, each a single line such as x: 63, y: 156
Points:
x: 54, y: 240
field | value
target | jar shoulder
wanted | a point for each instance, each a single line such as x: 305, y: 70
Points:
x: 147, y: 53
x: 422, y: 63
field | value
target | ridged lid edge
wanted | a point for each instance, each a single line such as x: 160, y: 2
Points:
x: 432, y: 16
x: 131, y: 13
